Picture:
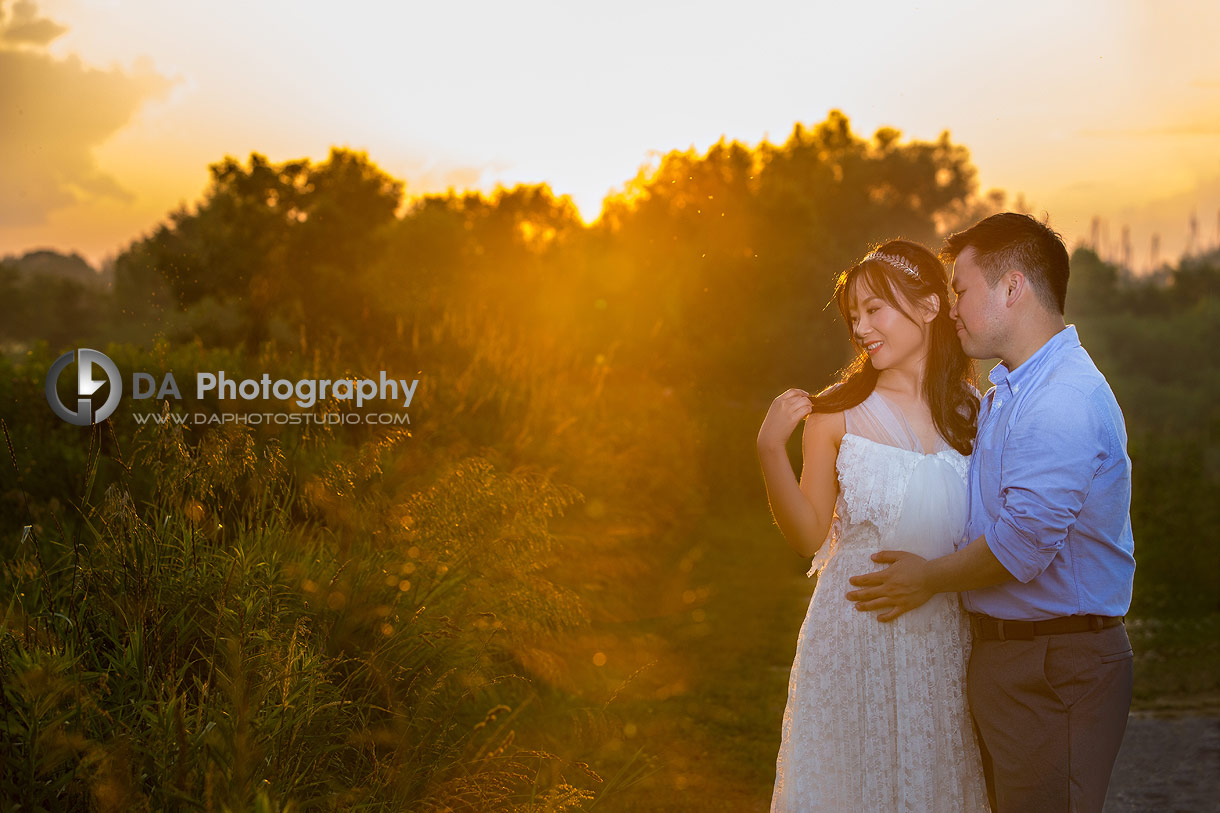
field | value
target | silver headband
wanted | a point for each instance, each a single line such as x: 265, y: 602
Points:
x: 901, y: 263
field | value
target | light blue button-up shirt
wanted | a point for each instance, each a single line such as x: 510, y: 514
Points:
x: 1050, y: 488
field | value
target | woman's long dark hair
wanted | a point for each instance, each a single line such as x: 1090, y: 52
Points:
x: 949, y: 376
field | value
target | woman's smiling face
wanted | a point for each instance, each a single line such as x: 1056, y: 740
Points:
x: 891, y: 338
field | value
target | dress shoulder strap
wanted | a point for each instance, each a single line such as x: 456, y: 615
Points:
x: 876, y: 419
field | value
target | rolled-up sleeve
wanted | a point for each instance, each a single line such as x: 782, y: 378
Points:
x: 1049, y: 460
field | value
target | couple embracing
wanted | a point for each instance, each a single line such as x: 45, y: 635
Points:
x: 902, y: 695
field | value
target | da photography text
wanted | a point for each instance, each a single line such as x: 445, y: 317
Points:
x: 307, y: 391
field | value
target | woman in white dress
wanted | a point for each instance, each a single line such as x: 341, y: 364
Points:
x: 876, y: 718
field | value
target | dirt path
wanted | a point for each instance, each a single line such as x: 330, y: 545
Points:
x: 1167, y: 764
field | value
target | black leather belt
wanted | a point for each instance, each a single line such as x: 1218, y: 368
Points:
x: 999, y: 629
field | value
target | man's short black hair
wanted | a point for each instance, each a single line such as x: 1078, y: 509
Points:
x: 1010, y: 240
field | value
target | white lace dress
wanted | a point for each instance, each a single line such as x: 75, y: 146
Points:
x: 876, y: 718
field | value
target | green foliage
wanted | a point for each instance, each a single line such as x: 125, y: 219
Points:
x: 283, y: 241
x: 1150, y: 336
x: 156, y: 656
x: 53, y: 307
x: 301, y: 533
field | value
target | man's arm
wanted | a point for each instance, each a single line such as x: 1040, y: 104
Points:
x: 970, y: 568
x: 1050, y: 459
x: 910, y: 580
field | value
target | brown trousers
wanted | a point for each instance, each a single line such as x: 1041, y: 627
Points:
x: 1050, y: 715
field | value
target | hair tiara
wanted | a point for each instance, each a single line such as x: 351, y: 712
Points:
x: 901, y: 263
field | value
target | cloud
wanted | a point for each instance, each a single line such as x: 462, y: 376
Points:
x: 27, y: 27
x: 56, y: 112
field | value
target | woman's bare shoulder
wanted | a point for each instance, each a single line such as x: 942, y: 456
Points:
x: 825, y: 426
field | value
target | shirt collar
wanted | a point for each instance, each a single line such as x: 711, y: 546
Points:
x: 1013, y: 380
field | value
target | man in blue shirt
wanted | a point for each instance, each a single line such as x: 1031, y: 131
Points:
x: 1046, y: 566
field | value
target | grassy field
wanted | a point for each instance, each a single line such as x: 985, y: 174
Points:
x: 536, y: 609
x: 291, y: 669
x: 714, y: 718
x: 723, y: 625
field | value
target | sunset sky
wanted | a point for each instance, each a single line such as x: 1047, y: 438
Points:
x: 111, y: 110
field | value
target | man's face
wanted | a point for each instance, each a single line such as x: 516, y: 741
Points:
x: 978, y: 310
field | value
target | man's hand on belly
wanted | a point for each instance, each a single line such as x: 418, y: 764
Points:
x: 897, y: 589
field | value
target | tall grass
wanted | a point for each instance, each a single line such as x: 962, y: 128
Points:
x: 311, y: 618
x: 216, y: 646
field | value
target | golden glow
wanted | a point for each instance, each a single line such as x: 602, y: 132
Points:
x: 1108, y: 112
